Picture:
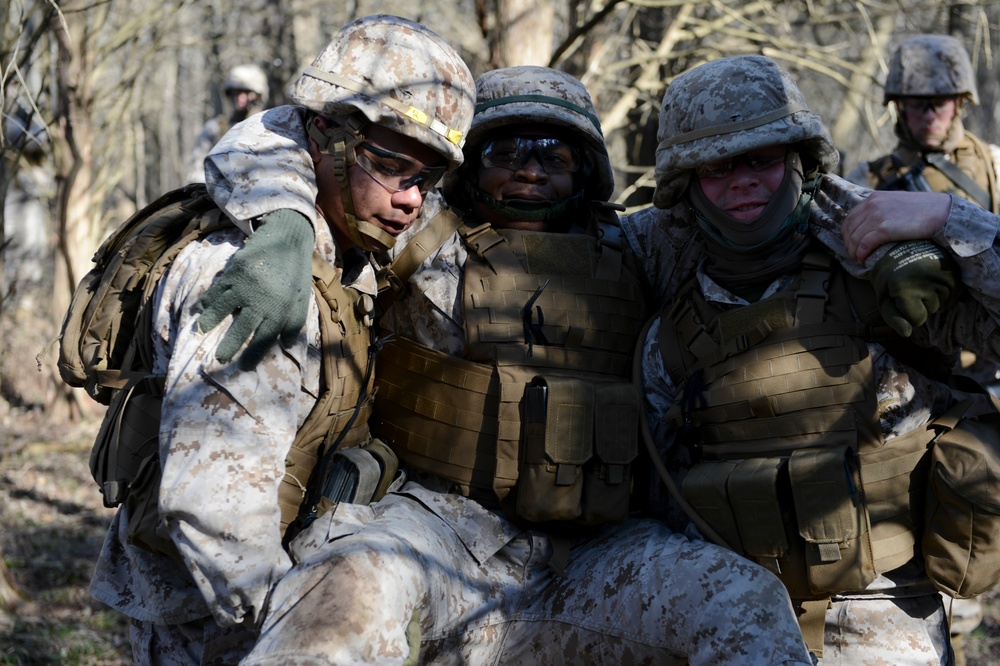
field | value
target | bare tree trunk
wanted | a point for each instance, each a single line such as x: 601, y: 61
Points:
x: 856, y: 101
x: 525, y: 29
x: 72, y: 151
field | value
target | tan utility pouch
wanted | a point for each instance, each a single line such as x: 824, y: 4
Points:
x: 579, y: 440
x: 832, y: 520
x: 607, y: 481
x: 802, y: 517
x: 961, y: 541
x: 558, y: 440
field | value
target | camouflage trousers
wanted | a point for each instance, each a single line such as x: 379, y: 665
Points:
x: 394, y: 583
x: 877, y: 631
x: 198, y: 643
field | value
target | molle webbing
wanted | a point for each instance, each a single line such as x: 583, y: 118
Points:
x: 582, y: 299
x: 769, y: 387
x: 345, y: 335
x: 439, y: 412
x: 461, y: 419
x: 790, y: 371
x: 544, y: 300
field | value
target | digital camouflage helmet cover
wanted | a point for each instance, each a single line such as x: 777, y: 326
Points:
x: 930, y: 66
x: 725, y: 108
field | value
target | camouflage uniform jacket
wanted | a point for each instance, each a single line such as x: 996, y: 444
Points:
x: 224, y: 436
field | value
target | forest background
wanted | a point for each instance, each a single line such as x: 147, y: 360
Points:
x: 113, y: 92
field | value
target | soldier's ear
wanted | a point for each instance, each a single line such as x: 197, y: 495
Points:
x: 318, y: 138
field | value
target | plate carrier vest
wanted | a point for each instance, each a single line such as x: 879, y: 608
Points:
x: 778, y: 399
x: 972, y: 156
x: 541, y: 403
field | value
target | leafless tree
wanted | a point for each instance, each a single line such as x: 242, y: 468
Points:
x: 123, y: 85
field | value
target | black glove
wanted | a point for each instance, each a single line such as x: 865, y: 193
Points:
x: 265, y: 286
x: 913, y: 281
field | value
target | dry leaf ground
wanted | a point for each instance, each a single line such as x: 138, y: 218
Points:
x: 52, y: 524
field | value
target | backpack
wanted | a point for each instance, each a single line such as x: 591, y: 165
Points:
x: 105, y: 348
x: 98, y: 347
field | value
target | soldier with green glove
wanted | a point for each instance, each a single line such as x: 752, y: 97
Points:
x: 792, y: 378
x: 238, y: 432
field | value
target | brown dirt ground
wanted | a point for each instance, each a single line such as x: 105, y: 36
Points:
x: 52, y: 524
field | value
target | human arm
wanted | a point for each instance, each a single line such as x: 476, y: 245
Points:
x: 967, y: 235
x: 912, y: 275
x: 261, y: 171
x: 224, y: 437
x: 888, y: 217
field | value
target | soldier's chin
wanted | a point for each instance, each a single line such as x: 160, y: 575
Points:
x: 933, y: 140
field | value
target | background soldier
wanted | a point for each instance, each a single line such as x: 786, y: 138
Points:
x: 246, y: 90
x: 779, y: 405
x: 930, y: 79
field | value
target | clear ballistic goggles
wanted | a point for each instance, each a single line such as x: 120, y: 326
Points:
x: 757, y: 161
x: 394, y: 172
x: 553, y: 155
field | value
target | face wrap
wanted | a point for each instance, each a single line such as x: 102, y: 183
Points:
x: 774, y: 222
x: 747, y: 256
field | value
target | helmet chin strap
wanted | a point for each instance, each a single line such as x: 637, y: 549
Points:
x: 524, y: 210
x: 340, y: 141
x: 364, y: 232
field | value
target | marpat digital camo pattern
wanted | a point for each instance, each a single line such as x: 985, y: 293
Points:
x: 542, y: 96
x: 930, y: 66
x: 391, y: 57
x: 457, y: 584
x: 428, y: 576
x: 224, y: 437
x: 753, y: 98
x: 900, y: 618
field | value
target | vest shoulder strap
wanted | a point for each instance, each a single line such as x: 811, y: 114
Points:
x: 392, y: 279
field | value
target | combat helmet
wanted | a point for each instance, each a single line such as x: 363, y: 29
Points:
x: 930, y: 66
x: 392, y: 72
x: 534, y: 95
x: 398, y: 74
x: 246, y: 77
x: 727, y: 107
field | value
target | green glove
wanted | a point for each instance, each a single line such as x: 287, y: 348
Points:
x: 913, y: 281
x: 265, y: 286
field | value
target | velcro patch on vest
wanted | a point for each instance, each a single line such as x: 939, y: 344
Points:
x: 766, y: 315
x: 557, y: 254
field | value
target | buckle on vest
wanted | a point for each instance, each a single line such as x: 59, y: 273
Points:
x: 389, y: 282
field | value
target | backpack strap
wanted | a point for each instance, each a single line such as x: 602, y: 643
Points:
x: 960, y: 178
